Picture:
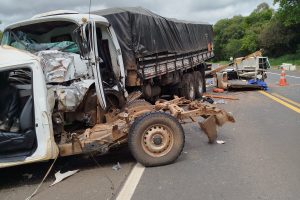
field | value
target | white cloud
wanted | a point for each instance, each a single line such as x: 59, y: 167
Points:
x: 195, y: 10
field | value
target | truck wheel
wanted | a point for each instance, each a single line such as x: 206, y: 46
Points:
x: 187, y: 88
x: 198, y: 84
x: 155, y: 139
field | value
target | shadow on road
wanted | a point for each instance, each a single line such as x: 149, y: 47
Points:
x: 32, y: 174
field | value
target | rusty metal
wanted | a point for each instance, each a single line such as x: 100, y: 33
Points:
x: 133, y: 78
x: 133, y: 96
x: 114, y: 132
x: 137, y: 108
x: 157, y: 140
x: 184, y: 109
x: 210, y: 128
x: 98, y: 138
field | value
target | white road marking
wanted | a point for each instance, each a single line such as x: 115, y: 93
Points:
x: 285, y: 75
x: 131, y: 182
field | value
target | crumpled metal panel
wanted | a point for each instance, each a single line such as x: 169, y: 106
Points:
x: 60, y: 66
x: 69, y: 97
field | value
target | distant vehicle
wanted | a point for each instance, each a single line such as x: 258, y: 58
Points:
x: 253, y: 67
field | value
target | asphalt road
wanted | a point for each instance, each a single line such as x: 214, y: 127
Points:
x: 95, y: 180
x: 260, y: 160
x: 292, y: 91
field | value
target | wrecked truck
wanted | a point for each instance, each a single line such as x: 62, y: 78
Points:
x: 69, y: 86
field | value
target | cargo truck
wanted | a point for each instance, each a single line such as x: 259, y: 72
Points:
x: 86, y: 83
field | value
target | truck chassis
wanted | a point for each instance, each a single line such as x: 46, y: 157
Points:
x: 102, y: 137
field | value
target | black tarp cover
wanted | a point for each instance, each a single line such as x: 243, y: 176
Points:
x: 141, y: 33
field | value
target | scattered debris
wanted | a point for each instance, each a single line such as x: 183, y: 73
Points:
x: 209, y: 82
x: 242, y: 85
x: 218, y: 90
x: 220, y: 97
x: 234, y: 76
x: 253, y: 65
x: 28, y: 176
x: 222, y: 80
x: 61, y: 176
x: 41, y: 183
x: 220, y: 141
x: 208, y: 99
x: 117, y: 167
x: 260, y: 83
x: 220, y: 101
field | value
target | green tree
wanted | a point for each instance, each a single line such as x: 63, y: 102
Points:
x: 261, y: 7
x: 289, y: 11
x: 277, y: 39
x: 232, y: 49
x: 281, y: 34
x: 249, y: 43
x: 239, y: 35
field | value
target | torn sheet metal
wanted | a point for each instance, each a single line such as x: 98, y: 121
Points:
x: 185, y: 109
x: 69, y: 97
x: 61, y: 176
x: 60, y: 66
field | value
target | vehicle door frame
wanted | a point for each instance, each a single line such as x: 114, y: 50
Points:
x: 46, y: 147
x: 94, y: 59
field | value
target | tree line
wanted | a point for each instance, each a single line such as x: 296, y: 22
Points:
x: 276, y: 32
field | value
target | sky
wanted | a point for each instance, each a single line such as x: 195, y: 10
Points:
x: 193, y: 10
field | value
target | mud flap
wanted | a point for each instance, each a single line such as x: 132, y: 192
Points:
x: 209, y: 126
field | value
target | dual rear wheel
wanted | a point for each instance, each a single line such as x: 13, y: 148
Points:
x: 157, y: 138
x: 192, y: 85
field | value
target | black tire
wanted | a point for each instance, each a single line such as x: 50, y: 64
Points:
x: 199, y: 84
x: 187, y: 87
x: 148, y: 129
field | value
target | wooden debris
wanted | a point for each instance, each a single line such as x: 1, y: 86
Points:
x: 221, y: 97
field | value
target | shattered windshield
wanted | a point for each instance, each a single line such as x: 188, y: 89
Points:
x: 23, y: 41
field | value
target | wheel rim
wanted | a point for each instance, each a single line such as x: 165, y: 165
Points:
x: 157, y: 140
x: 192, y: 92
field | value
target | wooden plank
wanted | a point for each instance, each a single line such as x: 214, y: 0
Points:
x: 221, y: 96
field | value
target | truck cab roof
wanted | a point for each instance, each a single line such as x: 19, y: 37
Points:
x: 10, y: 56
x: 70, y: 16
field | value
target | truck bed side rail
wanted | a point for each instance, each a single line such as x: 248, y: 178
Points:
x: 160, y: 65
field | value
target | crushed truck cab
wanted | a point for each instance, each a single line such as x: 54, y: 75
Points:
x: 34, y: 139
x: 66, y: 92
